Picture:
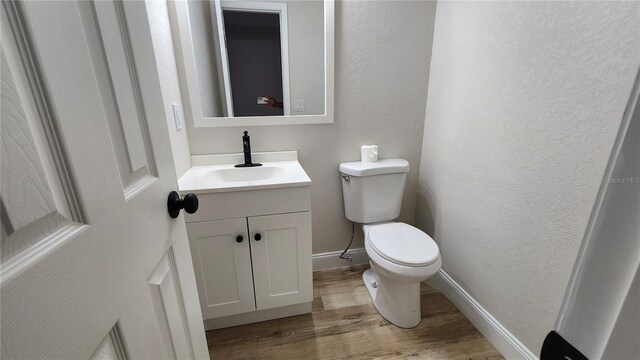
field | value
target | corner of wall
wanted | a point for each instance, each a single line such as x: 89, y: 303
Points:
x: 169, y: 83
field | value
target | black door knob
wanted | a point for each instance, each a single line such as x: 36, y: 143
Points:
x: 175, y: 204
x: 257, y: 237
x: 239, y: 239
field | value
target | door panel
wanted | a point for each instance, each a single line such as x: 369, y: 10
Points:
x: 111, y: 347
x: 39, y: 201
x: 222, y: 266
x: 165, y: 295
x: 86, y: 248
x: 121, y: 95
x: 281, y: 259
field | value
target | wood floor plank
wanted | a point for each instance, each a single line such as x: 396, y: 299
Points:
x: 344, y: 324
x: 340, y: 299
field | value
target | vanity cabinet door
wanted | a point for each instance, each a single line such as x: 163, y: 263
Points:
x: 281, y: 256
x: 222, y: 263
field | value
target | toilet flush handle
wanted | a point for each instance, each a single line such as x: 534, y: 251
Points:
x: 346, y: 178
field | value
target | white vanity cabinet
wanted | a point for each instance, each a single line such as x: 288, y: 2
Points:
x: 250, y: 242
x: 252, y: 263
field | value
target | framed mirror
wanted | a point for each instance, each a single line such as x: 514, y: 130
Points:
x: 259, y: 62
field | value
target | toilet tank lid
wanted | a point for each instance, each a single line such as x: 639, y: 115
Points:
x: 386, y: 166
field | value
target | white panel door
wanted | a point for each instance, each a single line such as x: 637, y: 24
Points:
x: 92, y: 265
x: 222, y: 262
x: 281, y: 257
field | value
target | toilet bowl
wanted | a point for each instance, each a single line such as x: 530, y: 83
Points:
x: 401, y: 257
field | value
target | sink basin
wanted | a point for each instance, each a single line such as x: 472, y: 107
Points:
x: 245, y: 174
x: 205, y: 179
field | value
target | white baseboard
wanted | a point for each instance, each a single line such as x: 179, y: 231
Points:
x: 331, y: 260
x: 503, y: 340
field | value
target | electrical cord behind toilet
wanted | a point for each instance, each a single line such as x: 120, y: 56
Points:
x: 346, y: 254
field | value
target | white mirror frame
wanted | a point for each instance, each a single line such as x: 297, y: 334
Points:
x: 185, y: 59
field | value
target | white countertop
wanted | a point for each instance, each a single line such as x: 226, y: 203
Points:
x: 227, y: 178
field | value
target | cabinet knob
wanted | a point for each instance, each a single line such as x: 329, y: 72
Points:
x: 239, y: 239
x: 257, y: 237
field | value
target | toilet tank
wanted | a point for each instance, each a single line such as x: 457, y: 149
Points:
x: 373, y: 191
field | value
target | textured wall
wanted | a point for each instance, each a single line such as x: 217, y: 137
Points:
x: 525, y: 99
x: 382, y: 53
x: 204, y: 53
x: 306, y: 54
x: 169, y: 83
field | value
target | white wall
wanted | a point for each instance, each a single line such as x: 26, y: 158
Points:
x: 525, y: 99
x: 382, y: 53
x: 169, y: 83
x: 306, y: 55
x: 206, y: 58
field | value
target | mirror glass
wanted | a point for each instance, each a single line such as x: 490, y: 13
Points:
x: 258, y: 58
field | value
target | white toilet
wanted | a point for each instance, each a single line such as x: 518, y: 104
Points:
x: 401, y: 256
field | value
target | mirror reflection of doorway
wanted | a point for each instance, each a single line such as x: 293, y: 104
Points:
x: 255, y: 67
x: 255, y: 62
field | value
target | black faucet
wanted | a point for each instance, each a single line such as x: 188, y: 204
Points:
x: 246, y: 150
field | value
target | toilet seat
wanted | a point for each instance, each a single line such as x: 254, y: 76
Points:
x: 403, y: 244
